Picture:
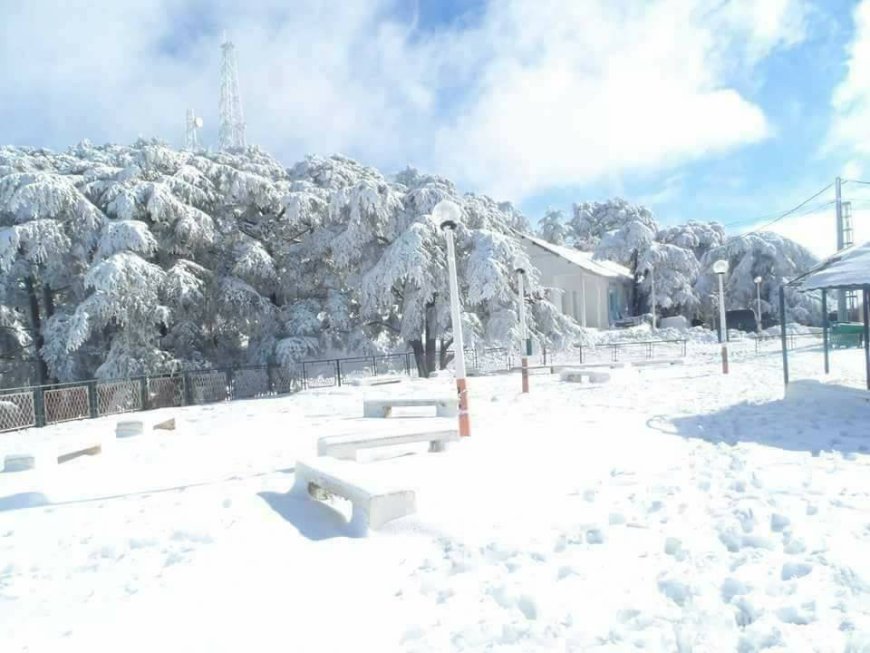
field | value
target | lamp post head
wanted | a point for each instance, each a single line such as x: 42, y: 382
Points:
x: 758, y: 279
x: 720, y: 266
x: 520, y: 271
x: 447, y: 214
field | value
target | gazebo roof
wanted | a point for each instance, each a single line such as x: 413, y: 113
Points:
x: 847, y: 269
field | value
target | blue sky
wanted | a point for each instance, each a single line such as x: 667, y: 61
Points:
x: 730, y: 110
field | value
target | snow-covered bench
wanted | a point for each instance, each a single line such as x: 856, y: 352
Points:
x: 345, y: 447
x: 444, y: 406
x: 376, y: 500
x: 578, y: 375
x: 376, y: 380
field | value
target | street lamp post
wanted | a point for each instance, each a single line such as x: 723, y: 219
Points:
x: 447, y: 213
x: 758, y: 281
x: 721, y: 268
x: 524, y: 331
x: 652, y: 283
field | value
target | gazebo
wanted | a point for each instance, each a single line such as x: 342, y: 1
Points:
x: 848, y: 269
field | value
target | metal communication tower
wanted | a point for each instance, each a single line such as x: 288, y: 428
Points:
x: 232, y: 125
x: 848, y: 241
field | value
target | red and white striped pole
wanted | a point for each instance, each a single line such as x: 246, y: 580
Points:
x: 524, y: 332
x: 449, y: 213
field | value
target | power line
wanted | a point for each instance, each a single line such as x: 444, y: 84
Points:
x: 856, y: 181
x: 790, y: 211
x: 779, y: 216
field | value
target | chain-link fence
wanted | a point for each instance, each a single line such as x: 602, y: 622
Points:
x: 42, y: 405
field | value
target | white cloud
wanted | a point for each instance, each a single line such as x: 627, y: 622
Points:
x: 534, y: 94
x: 850, y: 125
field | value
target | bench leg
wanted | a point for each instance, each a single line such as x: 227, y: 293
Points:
x: 437, y: 446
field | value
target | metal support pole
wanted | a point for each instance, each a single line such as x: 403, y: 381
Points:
x: 723, y: 325
x: 338, y: 371
x: 524, y: 331
x: 448, y: 227
x: 866, y: 312
x: 758, y: 303
x: 652, y: 281
x: 782, y: 321
x: 825, y: 330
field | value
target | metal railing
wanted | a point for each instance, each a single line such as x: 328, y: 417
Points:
x: 617, y: 351
x: 772, y: 343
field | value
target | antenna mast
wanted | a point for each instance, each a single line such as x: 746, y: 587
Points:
x: 232, y: 125
x: 192, y: 125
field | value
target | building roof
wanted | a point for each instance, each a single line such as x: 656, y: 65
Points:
x: 848, y: 268
x: 583, y: 260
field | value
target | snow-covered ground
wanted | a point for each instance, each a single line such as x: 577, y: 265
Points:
x: 673, y: 509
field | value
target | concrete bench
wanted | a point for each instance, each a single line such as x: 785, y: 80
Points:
x: 345, y: 447
x: 611, y: 365
x: 37, y: 452
x: 547, y: 369
x: 376, y: 500
x: 577, y: 376
x: 663, y: 362
x: 131, y: 427
x: 444, y: 407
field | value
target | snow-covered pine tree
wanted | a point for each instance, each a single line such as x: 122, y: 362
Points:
x: 774, y: 258
x: 552, y: 227
x: 592, y: 222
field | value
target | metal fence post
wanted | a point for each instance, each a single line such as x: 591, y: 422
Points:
x: 229, y: 388
x: 92, y: 398
x: 187, y: 390
x: 338, y: 371
x: 39, y: 405
x: 304, y: 376
x: 143, y: 392
x: 269, y: 379
x: 374, y: 366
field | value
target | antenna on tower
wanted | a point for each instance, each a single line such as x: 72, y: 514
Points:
x: 232, y: 126
x: 193, y: 123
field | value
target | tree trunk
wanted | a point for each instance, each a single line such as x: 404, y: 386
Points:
x: 419, y: 358
x: 36, y: 325
x: 445, y: 357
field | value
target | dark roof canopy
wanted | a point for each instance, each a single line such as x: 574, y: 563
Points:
x: 848, y: 269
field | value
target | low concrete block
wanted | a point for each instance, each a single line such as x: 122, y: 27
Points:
x: 129, y: 428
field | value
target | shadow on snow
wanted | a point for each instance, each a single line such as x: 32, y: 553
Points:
x: 786, y: 424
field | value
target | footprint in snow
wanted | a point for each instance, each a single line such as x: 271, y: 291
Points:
x: 795, y: 570
x: 798, y: 615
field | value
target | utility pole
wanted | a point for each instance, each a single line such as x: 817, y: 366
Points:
x: 842, y: 311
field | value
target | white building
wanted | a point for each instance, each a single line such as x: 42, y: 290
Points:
x: 595, y: 293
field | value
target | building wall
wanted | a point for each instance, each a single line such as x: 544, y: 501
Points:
x: 584, y: 295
